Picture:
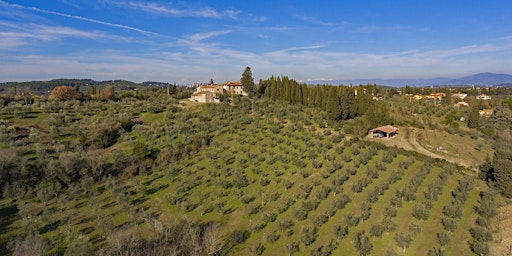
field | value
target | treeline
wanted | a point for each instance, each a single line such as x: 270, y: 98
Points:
x: 42, y: 87
x: 498, y: 170
x: 473, y: 91
x: 339, y: 102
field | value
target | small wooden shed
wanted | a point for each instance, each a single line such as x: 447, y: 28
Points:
x: 386, y: 131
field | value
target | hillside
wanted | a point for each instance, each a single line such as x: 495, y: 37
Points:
x: 255, y: 178
x: 486, y: 79
x: 482, y: 79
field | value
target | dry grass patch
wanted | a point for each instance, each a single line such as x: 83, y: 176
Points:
x: 502, y: 244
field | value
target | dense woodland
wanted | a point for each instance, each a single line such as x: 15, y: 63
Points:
x: 112, y: 170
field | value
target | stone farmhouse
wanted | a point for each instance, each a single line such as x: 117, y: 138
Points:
x: 212, y: 93
x: 234, y: 88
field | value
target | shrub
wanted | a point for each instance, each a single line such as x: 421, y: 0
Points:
x: 247, y: 199
x: 420, y: 211
x: 443, y: 238
x: 238, y: 236
x: 341, y: 201
x: 64, y: 93
x: 284, y: 224
x: 320, y: 220
x: 340, y: 231
x: 480, y: 234
x: 269, y: 216
x: 308, y: 235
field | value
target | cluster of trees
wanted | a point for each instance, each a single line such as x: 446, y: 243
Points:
x: 473, y: 91
x: 339, y: 102
x: 85, y: 141
x: 498, y: 170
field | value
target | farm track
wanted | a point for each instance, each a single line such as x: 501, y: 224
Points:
x: 411, y: 144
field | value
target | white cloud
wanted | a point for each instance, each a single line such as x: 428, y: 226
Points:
x: 203, y: 36
x: 16, y: 35
x: 35, y: 9
x: 201, y: 12
x: 193, y: 60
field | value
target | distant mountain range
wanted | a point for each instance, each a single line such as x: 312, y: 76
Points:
x: 482, y: 79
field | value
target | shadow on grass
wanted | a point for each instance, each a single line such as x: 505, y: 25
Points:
x: 228, y: 211
x: 151, y: 180
x: 154, y: 190
x: 29, y: 117
x: 111, y: 204
x: 52, y: 226
x: 139, y: 200
x: 87, y: 230
x: 101, y: 189
x: 85, y: 220
x: 81, y: 204
x: 7, y: 217
x: 97, y: 240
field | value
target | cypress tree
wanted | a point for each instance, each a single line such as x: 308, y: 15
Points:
x: 474, y: 118
x: 502, y: 169
x: 332, y: 103
x: 248, y: 82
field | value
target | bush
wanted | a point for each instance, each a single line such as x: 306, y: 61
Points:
x: 64, y: 93
x: 480, y: 234
x: 443, y: 238
x: 449, y: 224
x: 341, y: 201
x: 420, y: 211
x: 238, y: 236
x: 308, y: 235
x: 284, y: 224
x: 247, y: 199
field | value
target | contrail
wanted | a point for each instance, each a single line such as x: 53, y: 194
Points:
x: 81, y: 18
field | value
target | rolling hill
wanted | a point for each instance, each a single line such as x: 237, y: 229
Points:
x: 477, y: 79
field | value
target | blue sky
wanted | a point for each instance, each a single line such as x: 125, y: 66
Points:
x: 193, y: 41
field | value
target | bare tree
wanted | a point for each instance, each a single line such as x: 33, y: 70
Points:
x: 33, y: 245
x: 213, y: 239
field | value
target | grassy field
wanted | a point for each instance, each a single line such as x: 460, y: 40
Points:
x: 274, y: 179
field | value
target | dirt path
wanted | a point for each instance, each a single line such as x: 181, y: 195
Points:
x: 407, y: 139
x: 419, y: 148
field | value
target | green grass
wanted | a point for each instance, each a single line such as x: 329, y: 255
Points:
x: 196, y: 186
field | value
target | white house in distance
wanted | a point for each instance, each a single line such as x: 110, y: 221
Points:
x: 461, y: 104
x: 211, y: 93
x: 459, y: 95
x: 234, y: 88
x: 483, y: 97
x: 207, y: 94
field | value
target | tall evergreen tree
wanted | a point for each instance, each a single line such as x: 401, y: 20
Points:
x: 502, y: 168
x: 332, y: 103
x: 248, y: 82
x: 348, y: 107
x: 364, y: 100
x: 474, y: 118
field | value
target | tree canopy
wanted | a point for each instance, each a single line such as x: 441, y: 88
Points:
x: 248, y: 82
x: 64, y: 93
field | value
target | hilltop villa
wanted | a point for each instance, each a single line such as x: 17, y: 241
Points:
x: 211, y: 93
x: 234, y: 88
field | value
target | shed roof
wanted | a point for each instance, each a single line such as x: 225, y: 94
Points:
x: 386, y: 129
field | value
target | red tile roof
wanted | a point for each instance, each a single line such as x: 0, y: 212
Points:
x: 232, y: 83
x: 386, y: 129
